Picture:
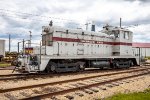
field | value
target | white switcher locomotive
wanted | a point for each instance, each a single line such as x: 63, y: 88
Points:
x: 64, y: 49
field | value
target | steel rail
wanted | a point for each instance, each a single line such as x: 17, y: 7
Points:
x: 41, y: 75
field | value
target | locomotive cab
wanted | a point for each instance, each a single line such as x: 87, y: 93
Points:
x: 122, y: 41
x: 47, y: 34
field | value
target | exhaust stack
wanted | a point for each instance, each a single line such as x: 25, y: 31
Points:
x: 93, y: 26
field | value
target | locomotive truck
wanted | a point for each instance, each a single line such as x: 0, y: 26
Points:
x: 65, y: 49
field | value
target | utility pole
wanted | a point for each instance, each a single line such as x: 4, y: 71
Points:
x: 139, y: 56
x: 30, y: 38
x: 18, y: 47
x: 40, y: 50
x: 145, y: 52
x: 9, y: 42
x: 45, y: 43
x: 87, y: 24
x: 23, y: 47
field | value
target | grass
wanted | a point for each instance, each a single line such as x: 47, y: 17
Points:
x: 4, y: 64
x: 132, y: 96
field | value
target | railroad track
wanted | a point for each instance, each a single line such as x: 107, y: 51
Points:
x: 25, y: 76
x: 12, y: 75
x: 7, y: 68
x: 50, y: 95
x: 138, y: 72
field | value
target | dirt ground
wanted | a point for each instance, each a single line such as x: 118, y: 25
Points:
x: 131, y: 85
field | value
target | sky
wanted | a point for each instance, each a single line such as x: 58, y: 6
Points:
x: 18, y: 17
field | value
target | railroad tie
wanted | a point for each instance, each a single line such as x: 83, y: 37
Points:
x: 54, y: 98
x: 25, y: 94
x: 115, y: 84
x: 79, y: 94
x: 75, y: 85
x: 82, y: 84
x: 49, y: 89
x: 94, y: 90
x: 87, y: 91
x: 69, y: 97
x: 109, y: 85
x: 37, y: 92
x: 9, y: 96
x: 102, y: 88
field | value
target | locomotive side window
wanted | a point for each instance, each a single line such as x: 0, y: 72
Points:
x: 126, y: 35
x: 47, y: 40
x: 65, y: 44
x: 50, y: 43
x: 43, y: 39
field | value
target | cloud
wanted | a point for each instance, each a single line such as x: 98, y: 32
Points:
x: 144, y: 1
x: 18, y: 17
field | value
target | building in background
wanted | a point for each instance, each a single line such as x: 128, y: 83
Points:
x: 2, y: 49
x: 29, y: 50
x: 144, y: 49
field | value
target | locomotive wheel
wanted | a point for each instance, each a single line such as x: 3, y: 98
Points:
x: 48, y: 70
x: 77, y: 68
x: 82, y: 67
x: 115, y: 65
x: 101, y: 68
x: 128, y: 67
x: 129, y: 64
x: 53, y: 68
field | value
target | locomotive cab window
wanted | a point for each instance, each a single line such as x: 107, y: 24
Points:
x: 126, y: 35
x: 116, y: 33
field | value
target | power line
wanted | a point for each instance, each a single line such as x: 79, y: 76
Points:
x: 43, y: 20
x: 48, y: 18
x: 18, y: 35
x: 10, y: 15
x: 14, y: 14
x: 9, y: 42
x: 6, y: 10
x: 24, y: 13
x: 33, y: 15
